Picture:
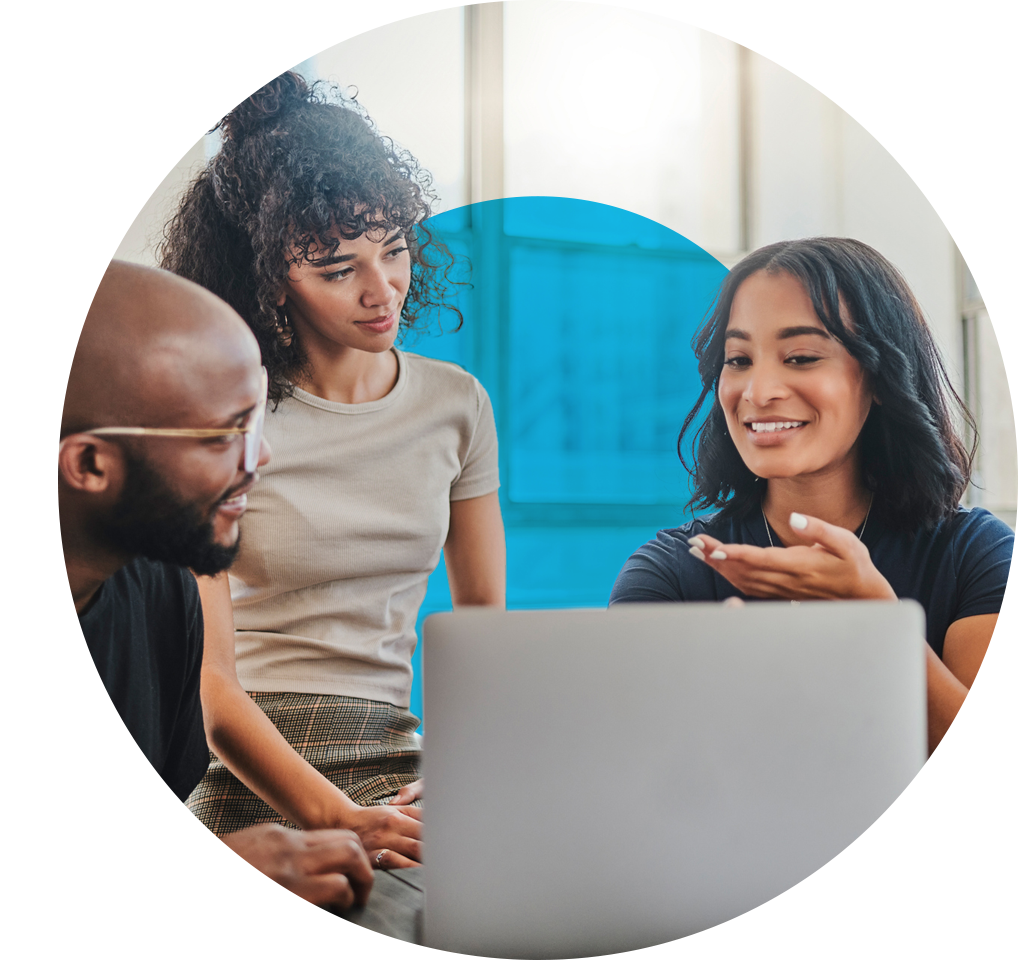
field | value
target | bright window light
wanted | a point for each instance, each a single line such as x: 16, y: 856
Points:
x: 624, y: 109
x: 408, y: 75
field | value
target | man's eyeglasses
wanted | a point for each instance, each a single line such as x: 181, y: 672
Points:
x: 252, y: 430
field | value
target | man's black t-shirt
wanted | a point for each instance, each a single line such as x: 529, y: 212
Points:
x: 145, y: 632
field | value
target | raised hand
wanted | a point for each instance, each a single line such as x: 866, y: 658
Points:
x: 832, y: 563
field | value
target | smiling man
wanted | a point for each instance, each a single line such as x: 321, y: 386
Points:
x: 160, y: 442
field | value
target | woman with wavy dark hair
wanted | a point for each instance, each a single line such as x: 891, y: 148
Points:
x: 313, y: 227
x: 829, y: 455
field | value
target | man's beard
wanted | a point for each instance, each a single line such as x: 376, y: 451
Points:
x: 152, y: 521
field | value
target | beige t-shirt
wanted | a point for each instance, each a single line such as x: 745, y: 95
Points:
x: 345, y: 525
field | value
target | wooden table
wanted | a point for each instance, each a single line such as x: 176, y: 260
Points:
x: 387, y: 928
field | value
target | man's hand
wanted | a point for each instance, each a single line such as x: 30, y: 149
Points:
x: 240, y: 883
x: 260, y: 876
x: 390, y: 834
x: 1007, y: 829
x: 832, y: 564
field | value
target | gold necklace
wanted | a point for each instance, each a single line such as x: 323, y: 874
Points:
x: 862, y: 529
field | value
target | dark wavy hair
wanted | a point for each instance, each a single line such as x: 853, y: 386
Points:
x: 912, y: 456
x: 301, y: 166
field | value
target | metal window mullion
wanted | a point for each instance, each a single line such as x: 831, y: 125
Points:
x: 484, y: 144
x: 960, y: 161
x: 967, y: 321
x: 747, y: 225
x: 744, y: 67
x: 483, y: 73
x: 972, y: 393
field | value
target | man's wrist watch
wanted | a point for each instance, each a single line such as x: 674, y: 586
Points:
x: 98, y: 874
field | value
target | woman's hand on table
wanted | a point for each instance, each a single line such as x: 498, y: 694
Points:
x: 390, y: 834
x: 1007, y: 829
x: 831, y: 564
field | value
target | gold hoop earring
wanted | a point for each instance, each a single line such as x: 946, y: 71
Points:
x: 284, y: 331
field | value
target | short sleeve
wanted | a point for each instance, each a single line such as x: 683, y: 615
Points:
x: 983, y: 562
x: 662, y: 571
x: 644, y: 579
x: 186, y: 751
x: 479, y: 473
x: 652, y: 574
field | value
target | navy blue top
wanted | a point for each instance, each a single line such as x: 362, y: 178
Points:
x: 956, y: 569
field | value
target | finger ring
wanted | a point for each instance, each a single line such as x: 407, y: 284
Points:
x: 378, y: 859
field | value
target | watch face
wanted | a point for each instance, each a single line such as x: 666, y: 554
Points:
x: 95, y: 861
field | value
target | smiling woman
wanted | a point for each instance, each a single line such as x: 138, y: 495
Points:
x: 312, y: 226
x: 907, y: 445
x: 829, y: 453
x: 794, y: 399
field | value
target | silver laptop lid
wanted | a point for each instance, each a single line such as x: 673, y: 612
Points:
x: 604, y: 780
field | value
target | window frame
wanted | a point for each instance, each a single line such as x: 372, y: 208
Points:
x: 490, y: 248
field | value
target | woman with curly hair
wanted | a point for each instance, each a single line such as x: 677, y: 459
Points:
x: 312, y: 226
x: 829, y: 455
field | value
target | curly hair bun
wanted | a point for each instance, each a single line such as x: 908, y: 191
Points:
x: 271, y: 101
x: 301, y: 168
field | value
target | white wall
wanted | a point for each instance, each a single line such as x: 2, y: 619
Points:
x: 129, y: 88
x: 852, y: 136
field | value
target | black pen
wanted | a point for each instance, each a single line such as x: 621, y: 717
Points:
x: 999, y: 748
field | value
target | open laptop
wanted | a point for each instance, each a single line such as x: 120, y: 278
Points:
x: 604, y: 780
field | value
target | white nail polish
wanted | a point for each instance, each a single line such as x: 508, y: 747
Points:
x: 697, y: 552
x: 797, y: 521
x: 696, y: 542
x: 719, y: 555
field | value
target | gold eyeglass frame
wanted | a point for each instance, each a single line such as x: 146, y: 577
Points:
x: 252, y: 432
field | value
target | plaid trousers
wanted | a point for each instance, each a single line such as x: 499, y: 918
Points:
x: 365, y: 747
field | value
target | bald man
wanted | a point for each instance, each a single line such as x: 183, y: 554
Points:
x: 160, y: 442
